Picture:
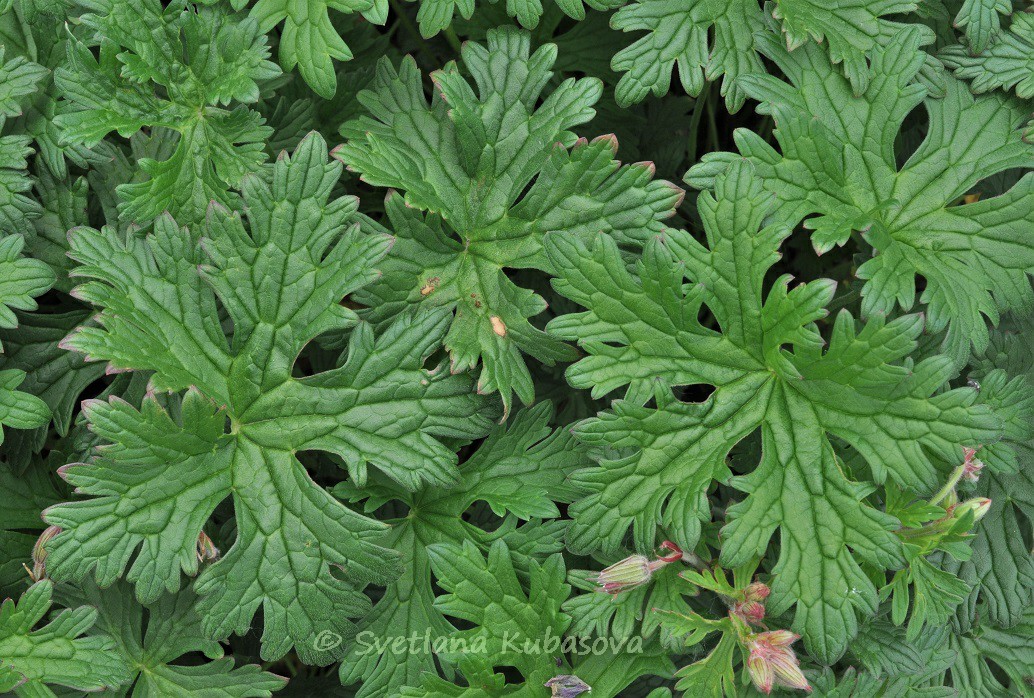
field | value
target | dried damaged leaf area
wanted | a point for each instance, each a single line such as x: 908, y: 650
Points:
x: 538, y: 348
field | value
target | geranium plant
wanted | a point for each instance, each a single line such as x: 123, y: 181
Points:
x: 434, y: 348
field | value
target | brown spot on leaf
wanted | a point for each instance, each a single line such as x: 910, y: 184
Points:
x: 497, y: 325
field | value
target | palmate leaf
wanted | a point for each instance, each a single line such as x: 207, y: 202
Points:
x: 55, y: 654
x: 17, y: 209
x: 519, y: 470
x: 1007, y: 649
x: 21, y: 280
x: 981, y: 20
x: 154, y: 487
x: 1007, y: 64
x: 308, y: 39
x: 151, y: 639
x: 838, y: 165
x: 644, y: 333
x: 850, y: 29
x: 18, y: 78
x: 467, y: 159
x: 436, y: 15
x: 678, y: 37
x: 54, y: 375
x: 515, y: 624
x: 487, y: 593
x: 1001, y: 569
x: 179, y: 68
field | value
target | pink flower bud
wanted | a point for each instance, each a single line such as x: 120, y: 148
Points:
x: 772, y: 663
x: 761, y: 673
x: 971, y: 465
x: 756, y: 592
x: 567, y: 686
x: 780, y: 638
x: 978, y: 505
x: 751, y: 611
x: 629, y: 573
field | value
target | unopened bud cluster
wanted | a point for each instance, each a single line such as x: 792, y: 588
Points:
x: 771, y: 662
x: 948, y: 498
x: 752, y: 608
x: 770, y: 659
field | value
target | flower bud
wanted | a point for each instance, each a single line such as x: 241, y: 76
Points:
x: 635, y: 570
x: 752, y: 608
x: 629, y: 573
x: 771, y: 662
x: 751, y: 611
x: 39, y: 553
x: 567, y: 686
x: 761, y: 673
x: 971, y: 465
x: 756, y: 592
x: 978, y: 505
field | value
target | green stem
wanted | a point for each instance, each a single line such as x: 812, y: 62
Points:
x: 694, y: 123
x: 414, y: 32
x: 454, y: 41
x: 691, y: 558
x: 956, y: 475
x: 712, y: 127
x: 766, y: 127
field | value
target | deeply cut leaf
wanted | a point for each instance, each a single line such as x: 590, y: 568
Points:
x: 769, y: 371
x: 245, y: 414
x: 492, y: 172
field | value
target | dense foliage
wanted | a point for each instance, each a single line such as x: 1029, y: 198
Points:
x: 346, y: 353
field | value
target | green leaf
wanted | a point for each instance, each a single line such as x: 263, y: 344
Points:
x: 510, y: 624
x: 1006, y: 64
x: 677, y: 36
x: 520, y: 468
x: 851, y: 29
x: 1001, y: 569
x: 437, y: 15
x: 490, y: 170
x: 308, y: 40
x: 246, y: 414
x: 1007, y: 649
x: 981, y: 21
x: 149, y: 639
x: 644, y: 332
x: 180, y: 75
x: 26, y: 492
x: 641, y: 611
x: 55, y: 653
x: 21, y: 280
x: 713, y: 676
x: 937, y: 593
x: 19, y: 410
x: 18, y: 77
x: 17, y: 210
x: 838, y: 164
x: 54, y: 375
